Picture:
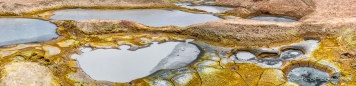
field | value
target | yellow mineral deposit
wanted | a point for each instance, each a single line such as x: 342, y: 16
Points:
x: 51, y: 50
x: 7, y: 53
x: 318, y: 49
x: 26, y: 73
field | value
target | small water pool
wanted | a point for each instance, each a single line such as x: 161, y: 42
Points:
x: 22, y: 30
x: 122, y: 65
x: 150, y: 17
x: 306, y: 76
x: 213, y: 9
x: 274, y: 19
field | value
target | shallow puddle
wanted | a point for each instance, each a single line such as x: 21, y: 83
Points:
x: 22, y: 30
x: 275, y: 19
x: 243, y: 56
x: 150, y: 17
x: 213, y: 9
x: 124, y: 65
x: 306, y: 76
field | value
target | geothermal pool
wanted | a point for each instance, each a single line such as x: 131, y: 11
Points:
x: 150, y: 17
x: 306, y: 76
x: 124, y: 65
x: 22, y: 30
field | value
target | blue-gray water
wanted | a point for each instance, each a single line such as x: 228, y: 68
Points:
x: 122, y: 65
x: 275, y: 19
x: 213, y: 9
x: 150, y: 17
x: 306, y: 76
x: 22, y: 30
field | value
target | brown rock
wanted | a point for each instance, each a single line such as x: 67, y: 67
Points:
x: 20, y: 7
x: 242, y: 12
x: 346, y: 56
x: 353, y: 65
x: 332, y: 11
x: 291, y: 8
x: 241, y: 32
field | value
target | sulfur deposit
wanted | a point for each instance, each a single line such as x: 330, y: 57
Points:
x: 236, y: 51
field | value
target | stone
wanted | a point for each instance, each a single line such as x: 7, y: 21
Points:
x: 182, y: 55
x: 26, y: 73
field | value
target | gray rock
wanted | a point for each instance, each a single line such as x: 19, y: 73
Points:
x: 182, y: 55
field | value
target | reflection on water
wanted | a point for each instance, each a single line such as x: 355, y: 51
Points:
x: 22, y: 30
x: 122, y: 65
x: 150, y: 17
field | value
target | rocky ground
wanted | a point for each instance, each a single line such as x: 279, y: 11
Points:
x: 23, y: 7
x: 330, y: 21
